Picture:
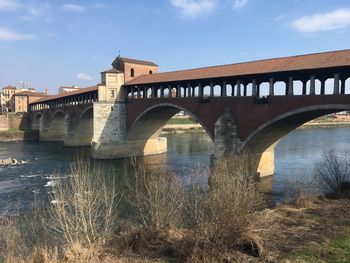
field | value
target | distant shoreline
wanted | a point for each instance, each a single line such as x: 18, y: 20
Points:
x: 9, y: 136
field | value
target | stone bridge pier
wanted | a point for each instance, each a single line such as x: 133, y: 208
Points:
x: 227, y: 142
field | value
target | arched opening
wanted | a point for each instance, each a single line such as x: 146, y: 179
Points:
x: 249, y: 89
x: 150, y: 72
x: 264, y: 89
x: 265, y: 138
x: 57, y: 126
x: 144, y: 136
x: 229, y: 90
x: 36, y: 122
x: 280, y: 88
x: 329, y: 86
x: 132, y: 72
x: 297, y: 87
x: 347, y: 86
x: 206, y: 91
x: 317, y: 87
x: 85, y: 128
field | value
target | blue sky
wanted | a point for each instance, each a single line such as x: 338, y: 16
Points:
x: 56, y: 42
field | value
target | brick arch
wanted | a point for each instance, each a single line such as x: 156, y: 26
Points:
x: 53, y: 115
x: 152, y: 120
x: 83, y: 112
x: 271, y: 132
x: 35, y: 121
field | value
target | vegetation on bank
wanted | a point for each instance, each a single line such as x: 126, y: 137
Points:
x: 18, y: 135
x: 153, y: 216
x: 181, y: 121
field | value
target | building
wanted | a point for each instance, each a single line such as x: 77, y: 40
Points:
x: 63, y: 89
x: 21, y: 100
x: 8, y: 92
x: 2, y: 103
x: 133, y: 68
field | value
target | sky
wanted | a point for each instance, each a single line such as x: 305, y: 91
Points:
x: 47, y: 44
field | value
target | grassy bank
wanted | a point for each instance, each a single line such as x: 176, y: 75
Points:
x: 18, y: 135
x: 181, y: 121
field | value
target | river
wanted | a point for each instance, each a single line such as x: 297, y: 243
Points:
x: 295, y: 157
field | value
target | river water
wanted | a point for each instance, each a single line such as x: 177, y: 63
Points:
x: 295, y: 157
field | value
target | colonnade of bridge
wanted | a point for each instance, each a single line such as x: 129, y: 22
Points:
x: 238, y: 88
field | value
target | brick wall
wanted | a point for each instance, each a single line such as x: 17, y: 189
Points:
x: 21, y: 122
x: 3, y: 123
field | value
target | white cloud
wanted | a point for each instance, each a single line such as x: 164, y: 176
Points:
x: 10, y: 35
x: 74, y: 8
x: 193, y: 8
x: 237, y: 4
x: 84, y: 76
x: 323, y: 22
x: 9, y: 5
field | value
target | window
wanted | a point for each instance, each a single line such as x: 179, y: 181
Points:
x: 112, y: 93
x: 150, y: 72
x: 132, y: 72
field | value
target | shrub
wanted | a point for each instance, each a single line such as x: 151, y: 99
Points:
x: 155, y: 196
x: 224, y: 214
x: 85, y: 209
x: 333, y: 172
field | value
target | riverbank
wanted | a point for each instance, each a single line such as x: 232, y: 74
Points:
x: 18, y: 135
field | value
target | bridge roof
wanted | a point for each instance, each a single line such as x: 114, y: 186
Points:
x: 66, y: 94
x: 294, y: 63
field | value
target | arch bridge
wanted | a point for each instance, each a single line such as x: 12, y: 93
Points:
x: 243, y: 107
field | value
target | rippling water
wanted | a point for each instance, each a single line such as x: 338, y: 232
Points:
x: 295, y: 156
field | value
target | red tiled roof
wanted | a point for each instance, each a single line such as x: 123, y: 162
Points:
x: 134, y: 61
x: 294, y: 63
x: 67, y: 94
x: 32, y: 94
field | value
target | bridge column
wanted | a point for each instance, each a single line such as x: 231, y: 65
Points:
x: 161, y: 92
x: 312, y: 85
x: 290, y: 87
x: 211, y: 89
x: 227, y: 142
x: 254, y: 88
x: 336, y: 84
x: 200, y: 91
x: 271, y: 86
x: 238, y: 85
x: 323, y: 86
x: 109, y: 130
x: 244, y: 89
x: 223, y: 89
x: 342, y: 87
x: 226, y: 139
x: 304, y: 86
x: 44, y: 126
x: 71, y: 138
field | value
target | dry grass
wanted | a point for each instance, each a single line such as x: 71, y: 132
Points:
x: 86, y: 206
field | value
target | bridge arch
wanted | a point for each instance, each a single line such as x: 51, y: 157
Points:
x: 153, y: 119
x: 57, y: 125
x: 270, y: 133
x: 85, y: 127
x: 35, y: 125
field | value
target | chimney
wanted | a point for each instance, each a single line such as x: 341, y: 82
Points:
x: 46, y: 91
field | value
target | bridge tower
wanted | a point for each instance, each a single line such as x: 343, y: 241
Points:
x: 110, y: 139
